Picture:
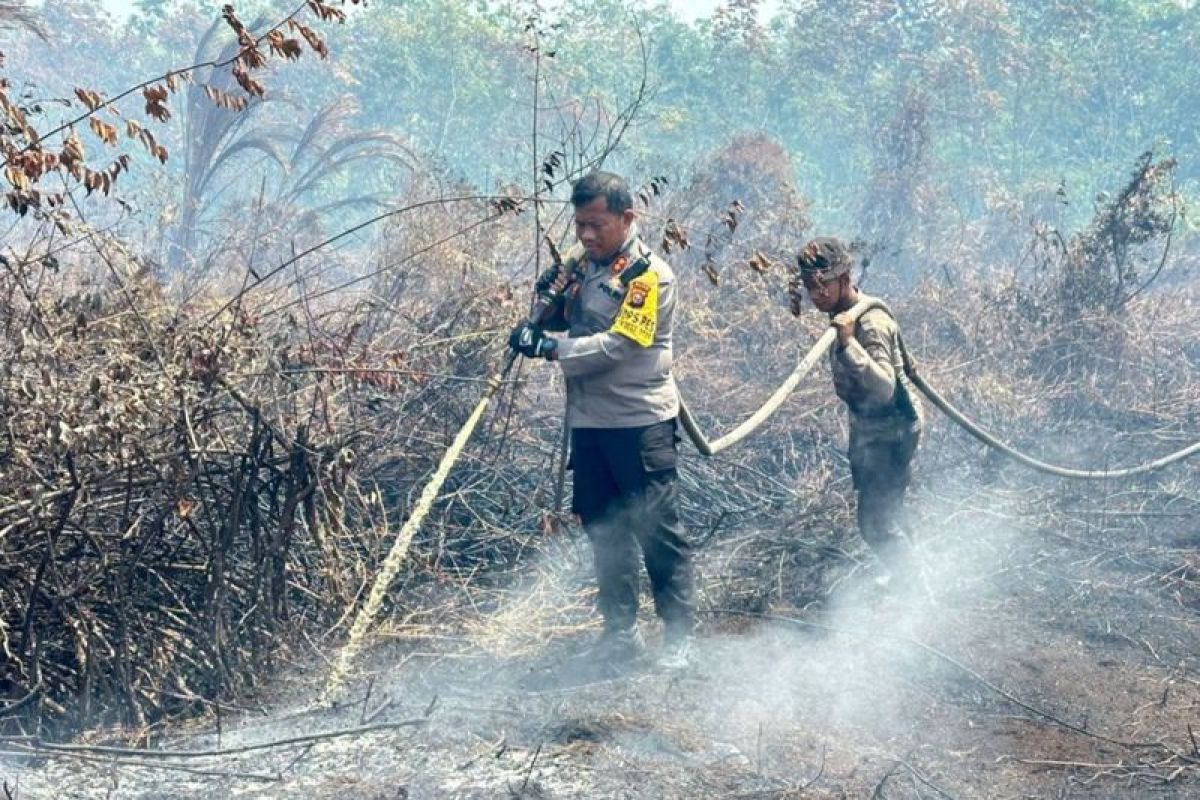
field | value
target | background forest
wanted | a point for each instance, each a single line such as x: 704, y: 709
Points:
x: 898, y: 120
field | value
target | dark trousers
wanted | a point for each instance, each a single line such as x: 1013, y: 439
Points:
x: 626, y: 492
x: 881, y: 470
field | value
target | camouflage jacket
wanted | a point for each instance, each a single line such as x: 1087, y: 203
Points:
x: 868, y: 375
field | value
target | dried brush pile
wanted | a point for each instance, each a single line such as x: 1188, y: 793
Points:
x: 187, y: 493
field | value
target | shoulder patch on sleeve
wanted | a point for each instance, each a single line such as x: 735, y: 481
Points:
x: 637, y: 319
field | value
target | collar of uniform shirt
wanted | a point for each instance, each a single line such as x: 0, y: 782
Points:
x: 623, y: 250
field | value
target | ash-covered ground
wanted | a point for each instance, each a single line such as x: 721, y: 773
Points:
x: 1023, y: 659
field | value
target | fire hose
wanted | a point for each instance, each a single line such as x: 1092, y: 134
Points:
x: 821, y: 348
x: 399, y: 550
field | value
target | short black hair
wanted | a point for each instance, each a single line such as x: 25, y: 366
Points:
x: 613, y: 188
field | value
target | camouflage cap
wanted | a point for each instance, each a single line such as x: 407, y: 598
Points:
x: 824, y: 258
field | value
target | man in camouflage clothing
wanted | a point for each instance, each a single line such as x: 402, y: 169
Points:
x: 885, y: 414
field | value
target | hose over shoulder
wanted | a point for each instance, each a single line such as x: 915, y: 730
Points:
x: 821, y: 347
x: 765, y: 410
x: 772, y: 404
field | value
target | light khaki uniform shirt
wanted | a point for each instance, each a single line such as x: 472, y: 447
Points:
x: 613, y: 380
x: 868, y: 373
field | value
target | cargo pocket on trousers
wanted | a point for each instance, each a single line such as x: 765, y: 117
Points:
x: 658, y: 449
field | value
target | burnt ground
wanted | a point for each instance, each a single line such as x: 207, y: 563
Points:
x: 1048, y: 649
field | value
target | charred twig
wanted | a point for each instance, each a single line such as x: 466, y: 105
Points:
x: 529, y: 771
x: 877, y: 792
x: 143, y: 764
x: 14, y: 708
x: 917, y: 774
x: 820, y: 771
x: 38, y: 746
x: 366, y: 699
x: 384, y: 705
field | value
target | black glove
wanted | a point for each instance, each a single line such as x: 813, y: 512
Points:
x: 529, y: 340
x: 546, y: 280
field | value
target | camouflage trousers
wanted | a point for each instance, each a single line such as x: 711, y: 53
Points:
x: 881, y: 469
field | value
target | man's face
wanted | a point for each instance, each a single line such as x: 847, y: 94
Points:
x: 600, y: 231
x: 825, y: 296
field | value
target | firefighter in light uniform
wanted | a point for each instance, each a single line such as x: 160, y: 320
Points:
x: 885, y: 414
x: 618, y: 308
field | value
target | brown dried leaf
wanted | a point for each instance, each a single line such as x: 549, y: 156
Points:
x: 313, y: 39
x: 252, y: 57
x: 292, y: 49
x: 174, y: 79
x: 225, y: 100
x: 674, y: 235
x: 72, y: 152
x: 89, y: 98
x: 759, y: 262
x: 104, y: 132
x: 155, y: 94
x: 282, y: 46
x: 17, y: 117
x: 17, y: 202
x: 506, y: 205
x: 17, y: 178
x: 326, y: 13
x: 733, y: 215
x: 156, y: 97
x: 147, y: 139
x: 248, y: 84
x: 231, y: 17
